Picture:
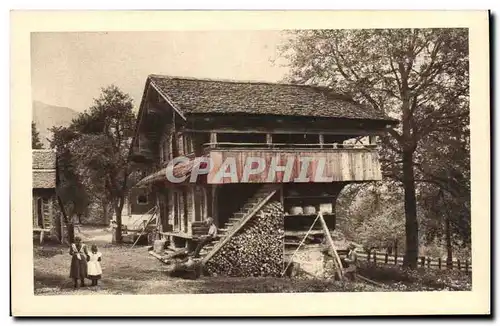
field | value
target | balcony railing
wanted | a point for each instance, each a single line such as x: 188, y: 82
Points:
x: 289, y: 145
x: 325, y: 163
x: 286, y: 162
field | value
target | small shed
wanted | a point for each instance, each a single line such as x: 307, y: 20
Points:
x: 47, y: 219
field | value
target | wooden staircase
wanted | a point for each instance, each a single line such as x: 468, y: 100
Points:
x: 239, y: 219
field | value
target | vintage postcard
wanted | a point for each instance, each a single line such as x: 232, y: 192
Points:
x: 288, y: 163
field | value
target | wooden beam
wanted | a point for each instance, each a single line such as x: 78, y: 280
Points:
x: 215, y: 213
x: 139, y: 120
x: 321, y: 140
x: 168, y: 100
x: 340, y: 132
x: 336, y: 260
x: 300, y: 245
x: 191, y: 215
x: 269, y: 138
x: 180, y: 144
x: 370, y: 281
x: 282, y: 195
x: 170, y: 208
x: 303, y: 233
x: 146, y: 225
x: 213, y: 139
x: 51, y: 212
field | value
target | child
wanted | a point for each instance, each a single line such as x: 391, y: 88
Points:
x: 78, y: 269
x: 94, y: 265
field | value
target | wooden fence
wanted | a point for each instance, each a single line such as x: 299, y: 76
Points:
x: 426, y: 262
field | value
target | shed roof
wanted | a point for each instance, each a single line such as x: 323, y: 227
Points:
x: 44, y: 179
x: 44, y: 159
x: 180, y: 170
x: 207, y: 96
x: 44, y: 168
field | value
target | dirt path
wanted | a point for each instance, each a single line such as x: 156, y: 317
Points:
x: 134, y: 271
x: 95, y: 235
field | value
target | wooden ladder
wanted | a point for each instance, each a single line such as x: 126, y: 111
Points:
x: 231, y: 232
x: 154, y: 210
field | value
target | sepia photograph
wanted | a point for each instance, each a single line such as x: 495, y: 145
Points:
x: 251, y: 161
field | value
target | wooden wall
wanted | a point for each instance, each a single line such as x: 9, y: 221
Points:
x: 50, y: 213
x: 182, y: 206
x: 137, y: 208
x: 341, y: 164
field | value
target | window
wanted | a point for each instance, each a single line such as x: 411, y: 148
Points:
x: 142, y: 199
x: 188, y: 144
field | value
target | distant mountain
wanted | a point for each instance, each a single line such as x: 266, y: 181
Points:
x: 47, y: 116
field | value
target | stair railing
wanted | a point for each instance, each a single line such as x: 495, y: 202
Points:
x: 238, y: 226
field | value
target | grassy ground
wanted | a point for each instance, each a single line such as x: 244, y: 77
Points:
x: 421, y: 279
x: 129, y: 270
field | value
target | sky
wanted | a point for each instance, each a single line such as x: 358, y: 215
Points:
x: 69, y: 68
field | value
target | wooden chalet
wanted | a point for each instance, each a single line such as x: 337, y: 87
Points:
x: 47, y: 221
x: 215, y: 119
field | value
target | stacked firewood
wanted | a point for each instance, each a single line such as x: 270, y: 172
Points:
x: 256, y: 250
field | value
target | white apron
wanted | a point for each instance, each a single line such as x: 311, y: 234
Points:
x: 93, y: 266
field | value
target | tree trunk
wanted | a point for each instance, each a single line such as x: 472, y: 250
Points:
x: 118, y: 238
x: 70, y: 229
x: 120, y: 201
x: 105, y: 215
x: 411, y: 225
x: 118, y: 211
x: 70, y: 232
x: 449, y: 251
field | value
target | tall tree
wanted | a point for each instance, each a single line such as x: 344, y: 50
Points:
x: 71, y: 189
x: 35, y: 137
x: 419, y: 76
x: 109, y: 127
x: 96, y: 147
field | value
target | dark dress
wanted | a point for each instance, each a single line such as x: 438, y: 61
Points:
x: 78, y: 269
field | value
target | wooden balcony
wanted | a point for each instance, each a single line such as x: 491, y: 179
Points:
x: 261, y: 163
x: 141, y: 155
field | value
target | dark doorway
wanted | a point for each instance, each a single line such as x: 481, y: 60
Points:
x: 231, y: 197
x: 39, y: 212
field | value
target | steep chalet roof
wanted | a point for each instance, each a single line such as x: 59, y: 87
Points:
x: 205, y: 96
x: 44, y: 168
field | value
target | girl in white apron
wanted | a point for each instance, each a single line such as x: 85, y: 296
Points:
x: 94, y: 270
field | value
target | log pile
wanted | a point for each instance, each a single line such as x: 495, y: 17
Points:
x: 256, y: 250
